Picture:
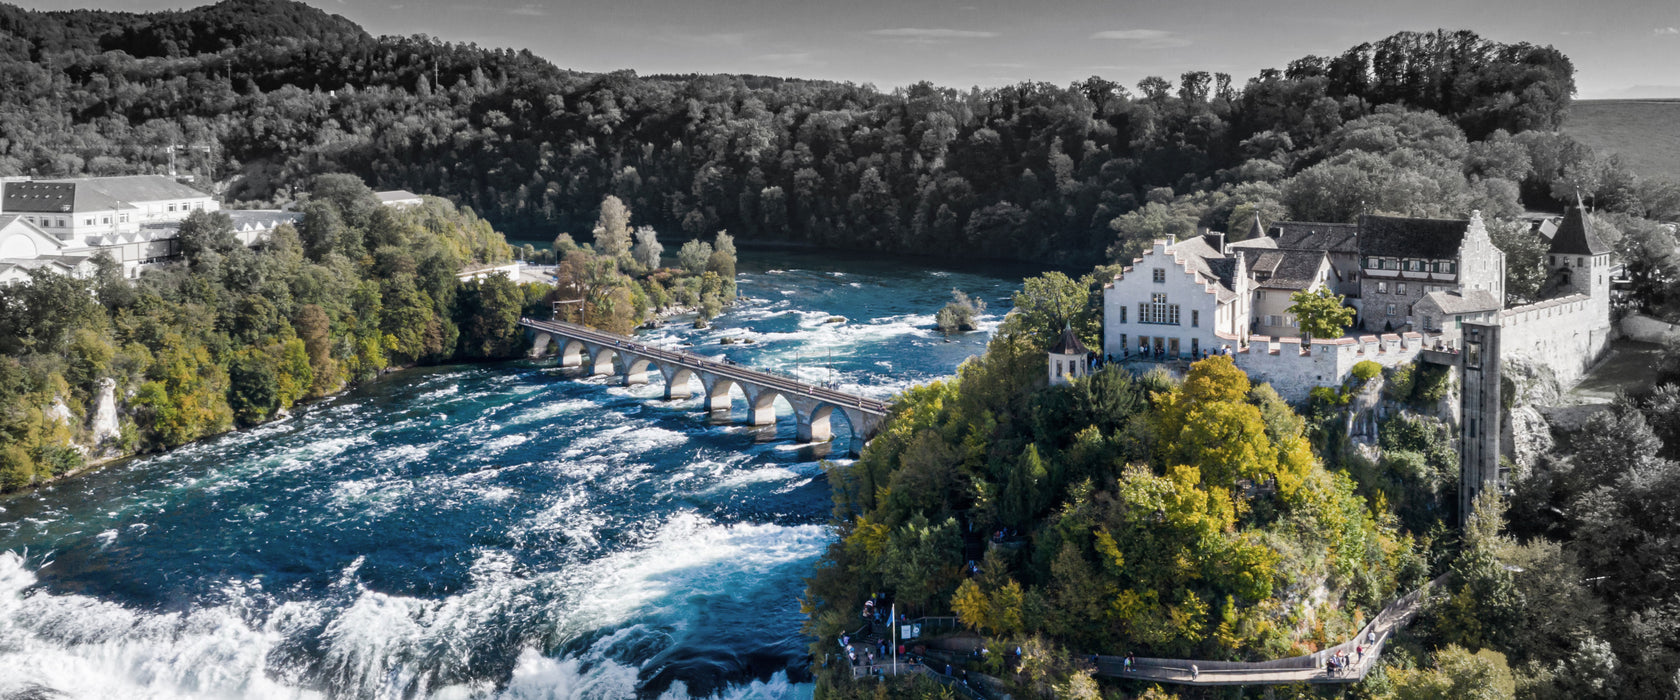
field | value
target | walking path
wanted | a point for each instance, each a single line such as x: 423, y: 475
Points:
x: 1311, y: 668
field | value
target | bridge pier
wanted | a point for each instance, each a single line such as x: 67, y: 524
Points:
x: 717, y: 395
x: 762, y: 409
x: 677, y: 382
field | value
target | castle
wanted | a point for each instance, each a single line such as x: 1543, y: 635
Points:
x: 1414, y: 284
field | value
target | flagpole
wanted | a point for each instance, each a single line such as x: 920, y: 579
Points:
x: 893, y: 623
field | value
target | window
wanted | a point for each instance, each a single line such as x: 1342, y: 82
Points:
x: 1160, y: 276
x: 171, y: 206
x: 122, y: 218
x: 1391, y: 264
x: 1580, y: 262
x: 1122, y: 316
x: 1157, y: 310
x: 1373, y: 263
x: 198, y: 205
x: 1261, y: 295
x: 61, y: 223
x: 1400, y: 288
x: 1391, y: 309
x: 1195, y: 347
x: 1058, y: 368
x: 105, y: 220
x: 1122, y: 342
x: 88, y: 221
x: 1273, y: 320
x: 1382, y: 287
x: 1195, y: 319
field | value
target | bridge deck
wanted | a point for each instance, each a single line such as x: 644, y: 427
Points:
x: 738, y: 373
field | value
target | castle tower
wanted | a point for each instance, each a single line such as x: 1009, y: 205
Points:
x: 1068, y: 358
x: 1580, y: 262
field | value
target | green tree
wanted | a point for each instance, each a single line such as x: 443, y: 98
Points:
x: 1321, y: 313
x: 648, y: 248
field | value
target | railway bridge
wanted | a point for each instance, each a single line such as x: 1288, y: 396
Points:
x: 598, y: 352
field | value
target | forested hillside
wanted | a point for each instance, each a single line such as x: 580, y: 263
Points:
x: 1033, y: 170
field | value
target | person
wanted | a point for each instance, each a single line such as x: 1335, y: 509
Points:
x: 1194, y: 672
x: 1360, y: 651
x: 947, y: 669
x: 1131, y: 661
x: 1371, y: 638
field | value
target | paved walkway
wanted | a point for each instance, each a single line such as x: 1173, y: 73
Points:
x: 1311, y: 668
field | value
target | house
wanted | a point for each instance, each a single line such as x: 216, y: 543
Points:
x: 1180, y: 298
x: 24, y: 246
x: 135, y: 219
x: 399, y: 199
x: 1402, y: 260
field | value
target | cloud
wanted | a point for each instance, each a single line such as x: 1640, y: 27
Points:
x: 1144, y: 38
x: 1667, y: 31
x: 528, y: 11
x: 933, y: 34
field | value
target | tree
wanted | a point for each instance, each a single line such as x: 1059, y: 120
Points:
x: 1050, y: 302
x: 1321, y: 313
x: 959, y: 315
x: 648, y: 248
x: 612, y: 230
x: 693, y: 256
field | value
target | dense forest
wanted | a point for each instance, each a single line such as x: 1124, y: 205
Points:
x: 266, y: 93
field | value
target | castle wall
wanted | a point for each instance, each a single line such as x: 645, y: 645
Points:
x: 1294, y: 368
x: 1567, y: 334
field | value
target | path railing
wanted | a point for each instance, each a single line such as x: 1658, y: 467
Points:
x: 1309, y: 668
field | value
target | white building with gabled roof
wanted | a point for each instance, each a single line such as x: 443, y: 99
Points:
x: 1180, y: 298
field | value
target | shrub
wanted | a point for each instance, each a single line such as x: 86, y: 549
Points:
x: 1366, y: 370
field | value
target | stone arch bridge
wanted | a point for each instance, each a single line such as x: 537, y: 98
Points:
x: 605, y: 353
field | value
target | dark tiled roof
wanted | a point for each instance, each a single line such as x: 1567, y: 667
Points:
x: 1471, y: 301
x: 1069, y: 344
x: 1196, y: 255
x: 1313, y: 235
x: 135, y: 188
x: 55, y: 197
x: 1256, y: 230
x: 1391, y: 236
x: 1575, y: 236
x: 1284, y: 269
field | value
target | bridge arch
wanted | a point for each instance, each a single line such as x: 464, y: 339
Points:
x: 636, y: 369
x: 818, y: 425
x: 572, y: 353
x: 761, y: 406
x: 602, y: 362
x: 717, y: 392
x: 540, y: 344
x: 679, y: 381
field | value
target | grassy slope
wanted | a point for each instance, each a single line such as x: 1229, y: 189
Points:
x: 1645, y: 132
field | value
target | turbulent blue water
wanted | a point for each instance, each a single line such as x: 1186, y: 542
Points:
x: 504, y: 530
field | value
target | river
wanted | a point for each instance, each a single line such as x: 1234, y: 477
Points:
x: 482, y: 531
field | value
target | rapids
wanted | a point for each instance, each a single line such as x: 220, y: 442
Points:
x: 482, y: 531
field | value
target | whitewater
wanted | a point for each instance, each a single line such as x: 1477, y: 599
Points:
x: 508, y: 530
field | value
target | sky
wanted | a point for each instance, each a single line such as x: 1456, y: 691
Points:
x: 1621, y: 48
